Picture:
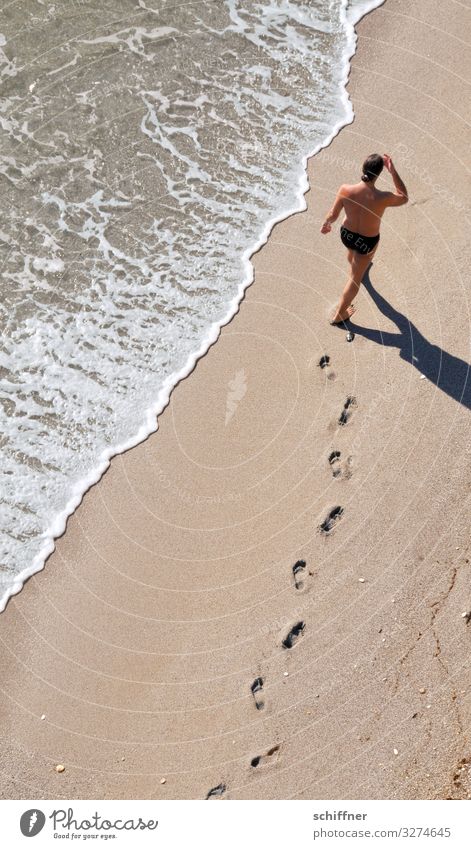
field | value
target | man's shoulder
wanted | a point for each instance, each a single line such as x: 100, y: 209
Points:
x: 346, y: 189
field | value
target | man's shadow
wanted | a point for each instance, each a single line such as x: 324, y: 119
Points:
x: 448, y: 373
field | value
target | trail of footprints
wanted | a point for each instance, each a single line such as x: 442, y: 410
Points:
x: 340, y: 469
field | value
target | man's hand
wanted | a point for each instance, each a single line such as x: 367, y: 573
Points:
x: 388, y: 162
x: 326, y: 227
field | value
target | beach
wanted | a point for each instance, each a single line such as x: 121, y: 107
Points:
x: 168, y: 648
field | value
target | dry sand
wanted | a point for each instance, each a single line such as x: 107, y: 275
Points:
x: 172, y: 588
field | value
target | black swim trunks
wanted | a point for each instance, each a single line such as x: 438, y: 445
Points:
x: 357, y: 242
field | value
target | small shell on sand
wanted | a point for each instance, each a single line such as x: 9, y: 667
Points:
x: 361, y: 580
x: 43, y: 716
x: 395, y: 751
x: 163, y: 780
x: 60, y: 768
x: 422, y: 690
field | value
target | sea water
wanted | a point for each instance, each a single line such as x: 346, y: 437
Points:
x: 147, y: 149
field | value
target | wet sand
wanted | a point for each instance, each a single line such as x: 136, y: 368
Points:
x: 172, y: 590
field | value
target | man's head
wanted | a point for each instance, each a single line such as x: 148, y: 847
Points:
x: 372, y: 167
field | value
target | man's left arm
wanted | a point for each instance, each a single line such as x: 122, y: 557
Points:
x: 334, y: 212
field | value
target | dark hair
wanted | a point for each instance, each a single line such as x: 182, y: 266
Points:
x: 372, y: 167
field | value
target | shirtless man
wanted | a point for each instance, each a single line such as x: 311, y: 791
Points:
x: 363, y: 205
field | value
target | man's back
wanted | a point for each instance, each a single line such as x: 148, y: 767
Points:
x: 364, y: 205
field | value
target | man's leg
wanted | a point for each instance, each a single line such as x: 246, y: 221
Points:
x: 358, y: 263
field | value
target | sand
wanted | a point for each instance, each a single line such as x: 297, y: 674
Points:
x: 172, y: 589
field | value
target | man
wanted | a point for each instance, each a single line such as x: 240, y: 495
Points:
x: 363, y: 205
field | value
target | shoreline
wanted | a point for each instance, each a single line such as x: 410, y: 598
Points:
x: 162, y: 604
x: 151, y: 415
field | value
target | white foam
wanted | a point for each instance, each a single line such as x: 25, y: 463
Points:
x: 46, y: 264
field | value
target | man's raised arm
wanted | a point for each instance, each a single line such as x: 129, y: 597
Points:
x: 400, y: 196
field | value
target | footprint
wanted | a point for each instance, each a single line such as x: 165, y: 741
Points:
x: 346, y: 412
x: 324, y: 362
x: 331, y: 520
x: 257, y: 687
x: 340, y: 468
x: 290, y: 639
x: 261, y: 758
x: 334, y: 461
x: 215, y: 792
x: 298, y: 568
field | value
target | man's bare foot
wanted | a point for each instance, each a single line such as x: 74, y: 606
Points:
x: 340, y: 317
